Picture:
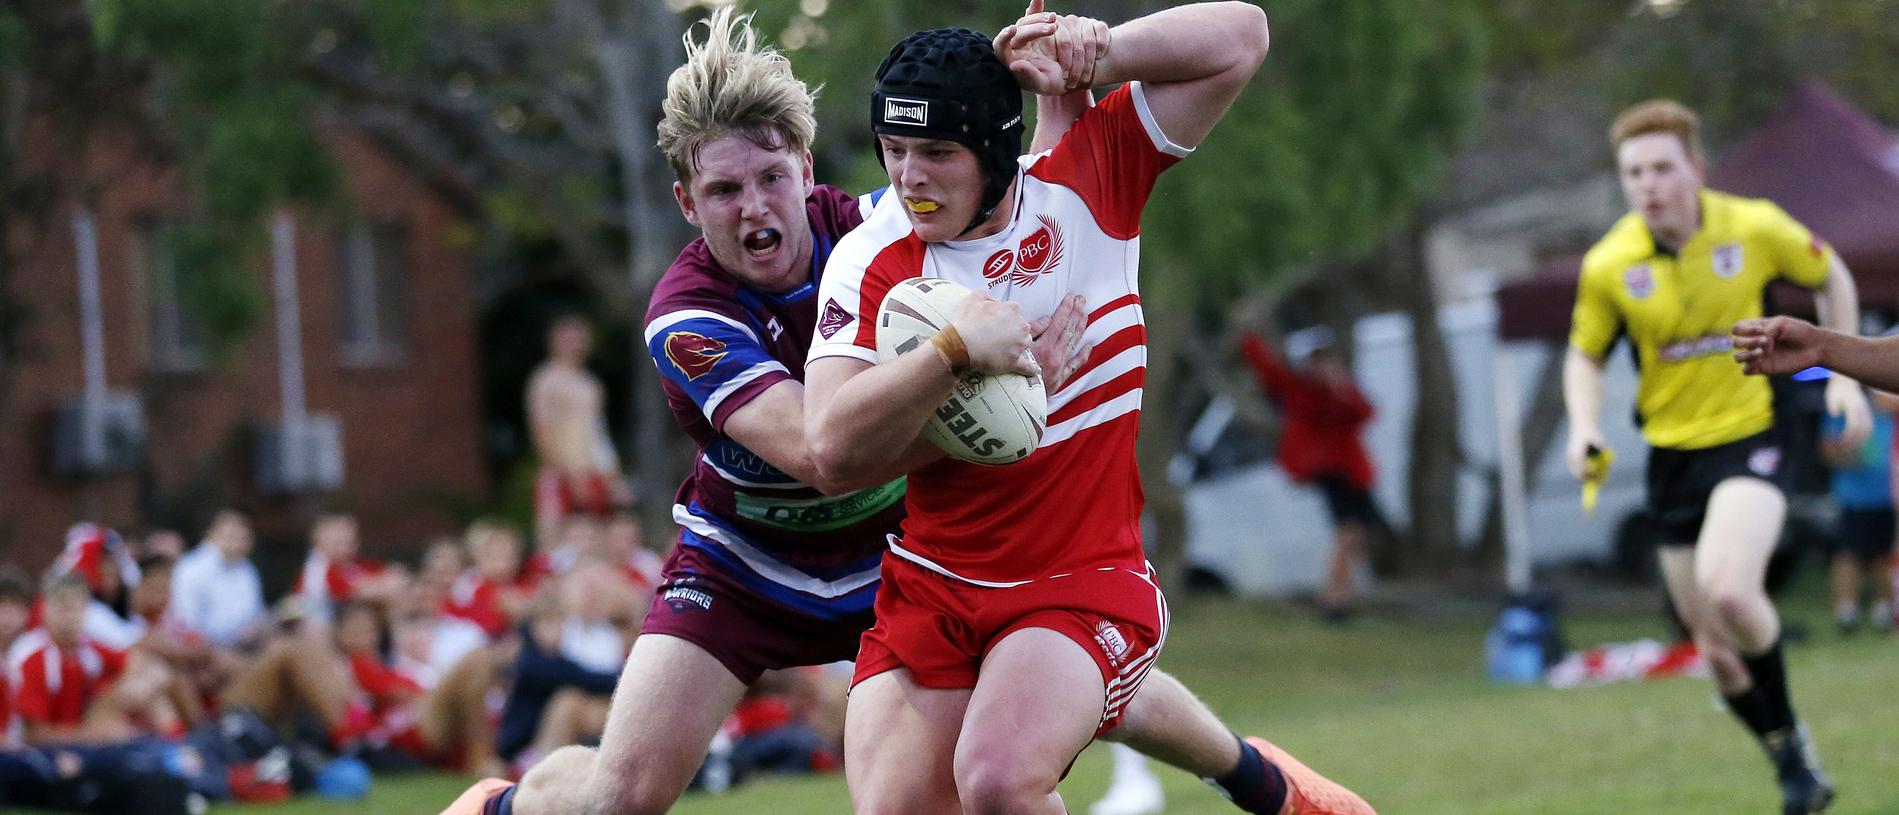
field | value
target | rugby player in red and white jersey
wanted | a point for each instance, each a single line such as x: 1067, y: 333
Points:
x: 1018, y: 616
x: 729, y: 328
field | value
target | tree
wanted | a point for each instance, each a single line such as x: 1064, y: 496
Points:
x: 535, y: 119
x: 1341, y: 139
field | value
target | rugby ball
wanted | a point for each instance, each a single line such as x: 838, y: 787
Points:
x: 988, y: 418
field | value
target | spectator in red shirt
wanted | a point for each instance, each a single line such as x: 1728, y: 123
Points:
x: 1322, y: 414
x: 443, y: 722
x: 336, y: 571
x: 70, y: 690
x: 624, y: 543
x: 575, y: 536
x: 490, y: 594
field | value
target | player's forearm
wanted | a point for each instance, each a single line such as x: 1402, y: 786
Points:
x: 1186, y: 43
x: 1874, y: 362
x: 1837, y: 302
x: 867, y: 422
x: 1582, y: 392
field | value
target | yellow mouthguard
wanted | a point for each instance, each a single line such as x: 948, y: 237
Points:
x: 921, y: 206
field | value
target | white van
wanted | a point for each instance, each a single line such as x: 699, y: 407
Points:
x: 1265, y: 535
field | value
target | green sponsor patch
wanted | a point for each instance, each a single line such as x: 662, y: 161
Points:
x: 820, y: 514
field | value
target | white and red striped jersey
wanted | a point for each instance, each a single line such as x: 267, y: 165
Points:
x: 1075, y: 502
x: 54, y: 686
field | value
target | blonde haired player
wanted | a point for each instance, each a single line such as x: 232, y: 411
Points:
x: 1675, y: 275
x: 729, y: 329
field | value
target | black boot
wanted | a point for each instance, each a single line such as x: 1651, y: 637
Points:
x: 1804, y: 787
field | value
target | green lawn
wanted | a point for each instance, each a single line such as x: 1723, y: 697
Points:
x: 1400, y: 712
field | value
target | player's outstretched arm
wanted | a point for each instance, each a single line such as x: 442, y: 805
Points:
x: 1193, y: 61
x: 1784, y: 345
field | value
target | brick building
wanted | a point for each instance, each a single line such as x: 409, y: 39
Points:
x: 387, y: 336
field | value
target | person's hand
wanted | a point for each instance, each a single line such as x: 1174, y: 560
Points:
x: 1576, y: 452
x: 1058, y: 347
x: 1052, y: 54
x: 995, y: 335
x: 1847, y: 400
x: 1777, y: 345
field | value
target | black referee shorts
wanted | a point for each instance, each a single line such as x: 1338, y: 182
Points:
x: 1680, y: 481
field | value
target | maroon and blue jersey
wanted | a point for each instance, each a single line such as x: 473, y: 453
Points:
x: 719, y: 344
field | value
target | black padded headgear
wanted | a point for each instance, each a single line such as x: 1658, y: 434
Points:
x: 949, y: 84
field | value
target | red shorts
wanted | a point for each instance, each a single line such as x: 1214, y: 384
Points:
x: 940, y: 628
x: 556, y: 496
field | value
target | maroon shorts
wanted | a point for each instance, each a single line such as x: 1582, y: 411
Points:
x: 700, y: 603
x: 940, y: 628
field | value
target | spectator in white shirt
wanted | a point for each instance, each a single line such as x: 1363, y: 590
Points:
x: 215, y: 590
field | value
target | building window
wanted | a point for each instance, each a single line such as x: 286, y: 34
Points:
x: 373, y: 293
x: 178, y: 336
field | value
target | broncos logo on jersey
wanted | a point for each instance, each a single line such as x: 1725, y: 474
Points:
x: 694, y: 354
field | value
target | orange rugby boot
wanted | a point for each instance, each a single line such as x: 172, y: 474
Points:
x: 475, y: 800
x: 1307, y: 792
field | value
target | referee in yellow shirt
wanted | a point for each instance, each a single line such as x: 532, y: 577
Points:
x: 1674, y: 276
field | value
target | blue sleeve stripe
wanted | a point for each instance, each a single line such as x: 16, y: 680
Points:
x: 670, y: 319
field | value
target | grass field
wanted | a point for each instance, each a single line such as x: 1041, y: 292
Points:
x: 1400, y: 712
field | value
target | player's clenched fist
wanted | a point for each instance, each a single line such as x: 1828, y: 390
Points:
x: 995, y: 335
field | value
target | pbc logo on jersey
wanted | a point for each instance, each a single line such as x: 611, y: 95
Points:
x: 906, y: 112
x: 693, y: 354
x: 1113, y: 644
x: 1037, y: 255
x: 1639, y: 280
x: 1728, y: 260
x: 833, y: 318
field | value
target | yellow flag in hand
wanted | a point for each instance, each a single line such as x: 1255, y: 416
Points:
x: 1595, y: 471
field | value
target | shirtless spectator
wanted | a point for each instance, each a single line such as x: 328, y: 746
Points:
x: 566, y: 411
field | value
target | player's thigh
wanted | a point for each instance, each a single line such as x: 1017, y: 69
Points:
x: 1037, y: 703
x: 1678, y: 576
x: 671, y: 699
x: 1739, y: 535
x: 899, y: 745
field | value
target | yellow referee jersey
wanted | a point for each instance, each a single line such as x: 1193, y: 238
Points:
x: 1678, y: 309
